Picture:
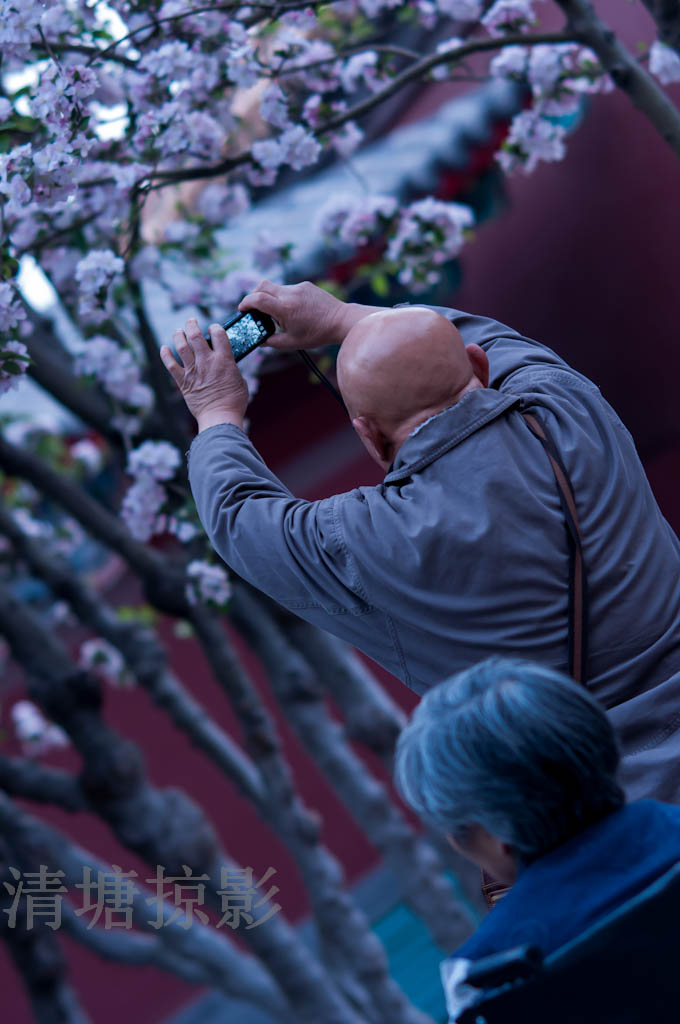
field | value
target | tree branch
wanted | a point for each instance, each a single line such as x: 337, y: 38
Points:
x: 162, y: 826
x: 29, y: 780
x: 639, y: 86
x: 143, y: 654
x: 129, y: 947
x: 415, y: 864
x: 200, y: 947
x: 39, y: 959
x: 351, y: 950
x: 164, y: 579
x: 170, y: 402
x: 667, y: 17
x: 410, y: 74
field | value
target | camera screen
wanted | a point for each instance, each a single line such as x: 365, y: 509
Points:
x: 245, y: 335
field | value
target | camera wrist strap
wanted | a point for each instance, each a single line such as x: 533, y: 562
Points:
x: 309, y: 362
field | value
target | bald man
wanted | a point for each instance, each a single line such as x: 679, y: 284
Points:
x: 462, y: 551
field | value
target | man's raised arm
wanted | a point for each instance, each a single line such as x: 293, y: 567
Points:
x: 308, y: 316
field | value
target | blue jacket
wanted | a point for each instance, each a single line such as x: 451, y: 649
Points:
x: 461, y: 552
x: 560, y: 895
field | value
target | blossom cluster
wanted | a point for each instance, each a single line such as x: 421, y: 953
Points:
x: 35, y: 733
x: 96, y: 274
x: 430, y: 232
x: 559, y: 75
x: 119, y: 373
x: 105, y: 661
x: 207, y: 584
x: 150, y: 465
x: 422, y: 236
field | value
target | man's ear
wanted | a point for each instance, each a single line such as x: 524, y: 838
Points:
x: 373, y: 440
x: 480, y: 363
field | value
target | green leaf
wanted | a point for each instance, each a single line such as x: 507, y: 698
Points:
x: 9, y: 267
x: 380, y: 284
x: 333, y: 288
x: 144, y: 614
x: 9, y: 353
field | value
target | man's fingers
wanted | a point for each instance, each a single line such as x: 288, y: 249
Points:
x: 220, y: 341
x: 281, y: 340
x: 264, y: 300
x: 171, y: 365
x: 196, y: 339
x: 184, y: 349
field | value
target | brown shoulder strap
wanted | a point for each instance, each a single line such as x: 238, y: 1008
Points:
x: 578, y: 583
x: 493, y: 890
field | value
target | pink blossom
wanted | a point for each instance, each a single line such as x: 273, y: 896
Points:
x: 243, y: 68
x: 104, y: 660
x: 508, y: 14
x: 218, y: 203
x: 268, y: 153
x: 208, y: 584
x: 98, y: 269
x: 361, y: 69
x: 35, y: 733
x: 141, y: 507
x: 170, y: 61
x: 311, y: 111
x: 156, y: 459
x: 348, y: 139
x: 430, y: 233
x: 664, y: 62
x: 511, y: 62
x: 274, y: 107
x: 460, y: 10
x: 11, y: 310
x: 299, y: 148
x: 531, y: 138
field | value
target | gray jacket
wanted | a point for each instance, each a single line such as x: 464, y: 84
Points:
x: 461, y: 552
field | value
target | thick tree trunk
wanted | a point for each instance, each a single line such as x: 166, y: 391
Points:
x: 37, y: 953
x: 351, y: 949
x: 205, y: 955
x: 414, y: 863
x: 163, y: 827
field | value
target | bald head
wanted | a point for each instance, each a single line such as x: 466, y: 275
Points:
x: 397, y: 367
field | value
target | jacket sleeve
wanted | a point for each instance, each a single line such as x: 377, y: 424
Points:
x: 508, y: 351
x: 289, y: 548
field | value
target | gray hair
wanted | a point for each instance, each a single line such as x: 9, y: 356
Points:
x: 515, y: 747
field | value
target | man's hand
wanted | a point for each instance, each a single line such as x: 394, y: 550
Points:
x: 308, y: 317
x: 210, y: 382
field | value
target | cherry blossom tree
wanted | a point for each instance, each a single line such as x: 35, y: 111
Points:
x: 130, y: 134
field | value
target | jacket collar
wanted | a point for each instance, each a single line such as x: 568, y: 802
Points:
x: 447, y: 429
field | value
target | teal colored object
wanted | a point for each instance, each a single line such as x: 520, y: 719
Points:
x: 414, y: 959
